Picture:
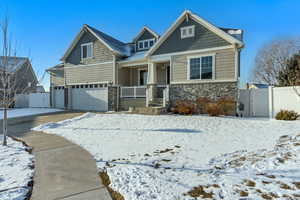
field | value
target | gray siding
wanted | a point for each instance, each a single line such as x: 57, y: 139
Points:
x: 57, y: 78
x: 89, y: 74
x: 146, y: 35
x: 203, y: 39
x: 224, y: 65
x: 101, y: 52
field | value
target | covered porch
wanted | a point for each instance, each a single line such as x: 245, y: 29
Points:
x: 146, y: 82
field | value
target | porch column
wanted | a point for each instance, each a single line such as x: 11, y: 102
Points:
x: 152, y: 81
x: 152, y: 74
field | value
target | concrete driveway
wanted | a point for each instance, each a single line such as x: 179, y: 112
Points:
x: 63, y: 170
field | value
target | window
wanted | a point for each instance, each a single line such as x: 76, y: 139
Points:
x: 145, y: 44
x: 187, y: 31
x: 86, y: 50
x: 201, y: 68
x: 143, y: 77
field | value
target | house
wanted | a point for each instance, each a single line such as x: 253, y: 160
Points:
x: 20, y: 73
x: 192, y: 59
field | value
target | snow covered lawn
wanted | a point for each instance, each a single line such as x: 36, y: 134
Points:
x: 20, y: 112
x: 180, y: 157
x: 15, y: 170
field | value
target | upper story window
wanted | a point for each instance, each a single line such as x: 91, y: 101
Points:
x: 145, y: 44
x: 201, y: 67
x: 187, y: 31
x: 87, y: 50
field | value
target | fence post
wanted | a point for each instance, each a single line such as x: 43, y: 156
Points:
x: 271, y: 102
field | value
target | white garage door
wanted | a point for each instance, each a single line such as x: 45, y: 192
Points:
x: 90, y: 99
x: 58, y: 97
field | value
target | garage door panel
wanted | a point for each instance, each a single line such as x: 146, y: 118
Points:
x: 59, y: 100
x: 90, y: 99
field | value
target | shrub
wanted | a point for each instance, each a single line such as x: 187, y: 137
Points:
x: 184, y: 107
x: 287, y: 115
x: 214, y: 109
x: 228, y: 105
x: 202, y: 103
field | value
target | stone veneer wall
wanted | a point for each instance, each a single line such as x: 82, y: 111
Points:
x: 211, y: 90
x: 112, y: 98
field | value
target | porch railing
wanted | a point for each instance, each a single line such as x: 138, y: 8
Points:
x: 133, y: 92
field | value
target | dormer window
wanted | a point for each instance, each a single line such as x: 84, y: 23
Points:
x: 187, y: 31
x: 87, y: 50
x: 145, y: 44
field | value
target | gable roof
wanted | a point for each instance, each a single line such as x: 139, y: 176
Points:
x: 13, y: 63
x: 16, y: 63
x: 187, y: 13
x: 111, y: 43
x: 145, y: 28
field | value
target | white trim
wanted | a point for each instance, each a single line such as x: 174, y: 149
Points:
x: 187, y: 28
x: 193, y: 51
x: 201, y: 21
x: 115, y: 71
x: 236, y: 64
x: 89, y: 83
x: 103, y: 63
x: 81, y: 50
x: 201, y: 81
x: 213, y: 55
x: 133, y: 64
x: 145, y: 41
x: 143, y: 30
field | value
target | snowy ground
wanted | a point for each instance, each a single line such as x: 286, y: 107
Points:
x: 15, y: 170
x: 180, y: 157
x: 20, y: 112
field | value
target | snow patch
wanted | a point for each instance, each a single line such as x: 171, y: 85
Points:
x: 15, y: 171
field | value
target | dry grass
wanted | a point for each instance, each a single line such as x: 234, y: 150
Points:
x: 200, y: 192
x: 297, y: 184
x: 285, y: 186
x: 250, y: 183
x: 266, y: 196
x: 244, y: 193
x: 106, y: 182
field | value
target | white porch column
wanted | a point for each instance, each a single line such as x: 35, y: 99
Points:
x: 152, y: 73
x: 152, y: 80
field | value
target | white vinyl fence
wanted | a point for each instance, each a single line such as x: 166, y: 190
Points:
x: 33, y: 100
x: 268, y: 102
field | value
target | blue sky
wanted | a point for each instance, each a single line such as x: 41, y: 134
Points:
x: 44, y: 29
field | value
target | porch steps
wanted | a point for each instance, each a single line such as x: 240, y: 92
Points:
x: 148, y: 110
x: 157, y: 102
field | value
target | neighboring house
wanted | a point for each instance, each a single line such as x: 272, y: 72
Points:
x: 256, y: 86
x: 40, y: 89
x: 21, y: 74
x: 192, y: 59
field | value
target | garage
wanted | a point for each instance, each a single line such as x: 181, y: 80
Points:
x: 89, y: 97
x: 58, y: 97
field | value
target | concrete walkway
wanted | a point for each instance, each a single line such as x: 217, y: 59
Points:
x: 63, y: 170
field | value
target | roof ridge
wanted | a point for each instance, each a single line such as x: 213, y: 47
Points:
x: 105, y: 34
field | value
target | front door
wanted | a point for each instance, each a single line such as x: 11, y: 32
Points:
x: 143, y: 77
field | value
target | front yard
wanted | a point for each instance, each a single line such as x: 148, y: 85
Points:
x: 181, y: 157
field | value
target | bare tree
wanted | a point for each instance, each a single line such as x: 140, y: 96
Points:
x: 272, y: 57
x: 12, y: 81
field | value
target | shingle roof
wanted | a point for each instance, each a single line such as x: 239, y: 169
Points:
x: 236, y: 33
x: 122, y: 48
x: 13, y: 63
